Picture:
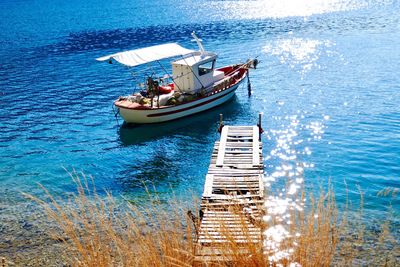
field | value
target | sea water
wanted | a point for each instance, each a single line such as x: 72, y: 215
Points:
x: 328, y: 86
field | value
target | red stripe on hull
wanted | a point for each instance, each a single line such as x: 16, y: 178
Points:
x: 188, y: 108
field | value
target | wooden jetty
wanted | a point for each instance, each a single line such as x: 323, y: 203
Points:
x: 231, y: 206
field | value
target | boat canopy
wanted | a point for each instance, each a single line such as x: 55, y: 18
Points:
x: 145, y: 55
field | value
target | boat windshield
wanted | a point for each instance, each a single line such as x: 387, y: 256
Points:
x: 206, y: 67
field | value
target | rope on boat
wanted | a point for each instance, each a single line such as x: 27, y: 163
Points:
x: 116, y: 113
x: 248, y: 83
x: 247, y: 66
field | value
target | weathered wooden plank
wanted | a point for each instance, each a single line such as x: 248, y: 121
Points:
x: 232, y: 175
x: 208, y: 185
x: 227, y: 225
x: 256, y: 151
x: 233, y: 153
x: 236, y: 185
x: 221, y: 148
x: 229, y: 234
x: 254, y: 178
x: 261, y: 186
x: 233, y: 156
x: 216, y: 215
x: 219, y: 215
x: 235, y: 174
x: 232, y: 190
x: 206, y: 203
x: 240, y: 187
x: 238, y: 239
x: 234, y: 171
x: 234, y: 238
x: 229, y: 231
x: 205, y: 240
x: 250, y: 159
x: 226, y: 228
x: 221, y: 251
x: 232, y: 197
x: 239, y: 145
x: 217, y: 225
x: 214, y: 260
x: 226, y: 160
x: 241, y: 127
x: 242, y: 138
x: 235, y: 182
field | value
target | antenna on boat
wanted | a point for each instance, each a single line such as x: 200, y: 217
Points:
x: 198, y: 41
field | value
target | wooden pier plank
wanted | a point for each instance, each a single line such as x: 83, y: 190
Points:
x: 233, y: 195
x: 222, y: 144
x: 256, y: 152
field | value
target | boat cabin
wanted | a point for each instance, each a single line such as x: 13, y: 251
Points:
x: 195, y: 71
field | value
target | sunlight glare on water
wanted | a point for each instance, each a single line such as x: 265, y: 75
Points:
x: 292, y: 137
x: 298, y: 52
x: 291, y: 153
x: 285, y: 8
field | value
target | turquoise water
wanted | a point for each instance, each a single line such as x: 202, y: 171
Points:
x: 328, y: 85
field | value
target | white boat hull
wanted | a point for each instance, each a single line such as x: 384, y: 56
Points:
x: 176, y: 112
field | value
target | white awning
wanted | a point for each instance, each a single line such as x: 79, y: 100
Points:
x: 144, y: 55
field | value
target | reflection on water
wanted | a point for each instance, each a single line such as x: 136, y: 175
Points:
x: 165, y: 148
x: 201, y: 123
x: 156, y: 171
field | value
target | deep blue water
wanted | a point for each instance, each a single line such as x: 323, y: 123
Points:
x: 328, y: 86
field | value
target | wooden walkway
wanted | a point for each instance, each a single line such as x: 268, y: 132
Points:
x: 233, y: 194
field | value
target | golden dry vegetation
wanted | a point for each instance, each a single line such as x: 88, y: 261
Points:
x: 97, y: 231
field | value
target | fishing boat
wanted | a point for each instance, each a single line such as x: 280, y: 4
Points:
x: 194, y: 86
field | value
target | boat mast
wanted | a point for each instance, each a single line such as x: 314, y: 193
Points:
x: 198, y: 41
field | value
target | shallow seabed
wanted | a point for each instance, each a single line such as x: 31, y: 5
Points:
x: 328, y: 85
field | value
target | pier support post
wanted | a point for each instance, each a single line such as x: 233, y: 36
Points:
x: 259, y: 125
x: 248, y: 84
x: 221, y: 123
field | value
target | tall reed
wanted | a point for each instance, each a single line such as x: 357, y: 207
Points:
x: 97, y: 231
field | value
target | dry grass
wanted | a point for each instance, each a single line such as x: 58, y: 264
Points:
x: 98, y: 232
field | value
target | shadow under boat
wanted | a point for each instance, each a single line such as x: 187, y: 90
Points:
x: 200, y: 123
